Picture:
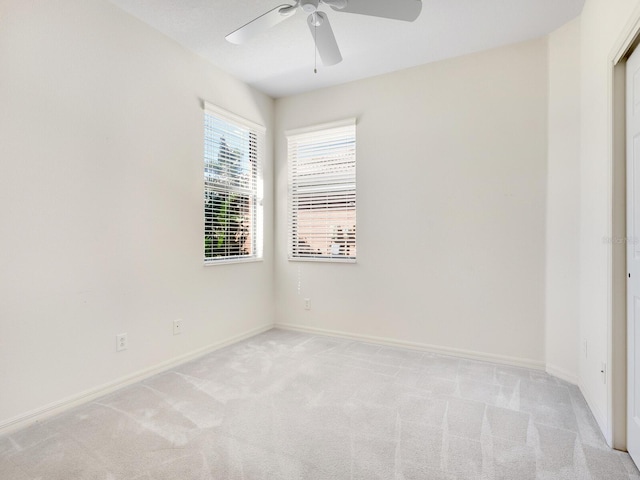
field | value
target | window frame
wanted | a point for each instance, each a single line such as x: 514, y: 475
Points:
x: 295, y: 135
x: 256, y: 190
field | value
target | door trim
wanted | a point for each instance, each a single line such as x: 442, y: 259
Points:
x: 616, y: 431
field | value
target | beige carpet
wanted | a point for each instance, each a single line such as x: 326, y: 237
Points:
x: 286, y: 405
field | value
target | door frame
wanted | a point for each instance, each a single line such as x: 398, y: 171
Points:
x: 616, y: 433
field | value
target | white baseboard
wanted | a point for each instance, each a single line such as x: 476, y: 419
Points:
x: 455, y: 352
x: 601, y: 419
x: 562, y: 374
x: 41, y: 413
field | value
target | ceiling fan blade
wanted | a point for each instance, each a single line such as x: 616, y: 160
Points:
x: 407, y: 10
x: 324, y: 38
x: 261, y: 24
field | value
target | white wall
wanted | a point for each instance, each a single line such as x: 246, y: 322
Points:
x: 452, y: 168
x: 101, y: 147
x: 563, y: 203
x: 100, y: 204
x: 601, y: 24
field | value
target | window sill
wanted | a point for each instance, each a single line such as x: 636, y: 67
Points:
x: 230, y: 261
x: 323, y: 260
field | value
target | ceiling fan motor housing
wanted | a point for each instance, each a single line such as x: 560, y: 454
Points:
x: 309, y: 6
x: 316, y: 19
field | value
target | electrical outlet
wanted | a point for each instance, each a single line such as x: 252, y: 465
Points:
x: 177, y: 327
x: 307, y: 304
x: 121, y: 342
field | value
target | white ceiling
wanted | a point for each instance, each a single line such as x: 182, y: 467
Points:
x: 280, y: 62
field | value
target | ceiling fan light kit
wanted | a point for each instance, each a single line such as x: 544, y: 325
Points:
x: 321, y: 31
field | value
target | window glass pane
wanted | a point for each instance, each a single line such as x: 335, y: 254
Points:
x: 228, y: 220
x: 230, y: 189
x: 322, y: 194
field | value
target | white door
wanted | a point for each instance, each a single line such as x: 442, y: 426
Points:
x: 633, y: 255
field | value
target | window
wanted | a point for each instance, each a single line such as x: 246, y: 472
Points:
x: 322, y: 192
x: 232, y: 188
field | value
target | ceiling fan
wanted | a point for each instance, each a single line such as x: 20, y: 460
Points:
x: 325, y: 40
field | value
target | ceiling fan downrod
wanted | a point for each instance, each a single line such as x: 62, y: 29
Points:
x: 311, y: 6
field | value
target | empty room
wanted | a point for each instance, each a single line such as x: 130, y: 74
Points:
x: 323, y: 239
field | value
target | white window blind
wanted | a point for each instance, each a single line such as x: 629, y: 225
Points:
x: 232, y: 204
x: 322, y: 192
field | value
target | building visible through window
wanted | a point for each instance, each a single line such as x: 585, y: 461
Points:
x: 322, y: 192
